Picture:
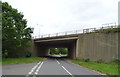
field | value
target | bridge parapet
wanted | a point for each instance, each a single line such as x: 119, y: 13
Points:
x: 74, y: 33
x: 60, y: 34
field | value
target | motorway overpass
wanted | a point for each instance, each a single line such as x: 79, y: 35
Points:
x: 43, y: 45
x: 93, y: 46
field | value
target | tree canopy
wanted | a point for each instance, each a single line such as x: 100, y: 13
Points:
x: 58, y: 51
x: 15, y: 33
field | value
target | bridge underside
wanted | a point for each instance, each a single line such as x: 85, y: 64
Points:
x: 42, y: 47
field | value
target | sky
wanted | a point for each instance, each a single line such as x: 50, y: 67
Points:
x: 52, y: 16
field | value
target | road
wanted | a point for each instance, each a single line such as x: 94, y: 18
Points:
x: 52, y: 67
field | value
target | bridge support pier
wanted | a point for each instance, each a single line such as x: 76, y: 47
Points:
x: 72, y: 51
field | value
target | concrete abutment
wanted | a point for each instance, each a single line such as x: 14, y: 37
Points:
x: 98, y: 46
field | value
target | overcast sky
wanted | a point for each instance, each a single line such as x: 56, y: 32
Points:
x: 65, y: 15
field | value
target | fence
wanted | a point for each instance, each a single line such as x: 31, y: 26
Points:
x: 75, y: 32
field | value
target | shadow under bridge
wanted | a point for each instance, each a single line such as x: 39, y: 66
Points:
x: 42, y: 46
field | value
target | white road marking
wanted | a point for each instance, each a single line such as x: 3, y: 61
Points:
x: 67, y: 71
x: 36, y: 72
x: 57, y: 61
x: 34, y: 68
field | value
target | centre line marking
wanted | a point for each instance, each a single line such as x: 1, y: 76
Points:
x: 34, y: 68
x: 36, y: 72
x: 67, y: 71
x: 57, y: 61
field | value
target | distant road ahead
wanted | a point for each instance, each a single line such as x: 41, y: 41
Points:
x: 51, y: 66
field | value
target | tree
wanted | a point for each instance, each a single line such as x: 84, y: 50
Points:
x: 16, y: 34
x: 58, y: 51
x: 52, y: 50
x: 63, y: 50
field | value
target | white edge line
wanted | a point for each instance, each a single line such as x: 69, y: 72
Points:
x: 66, y: 70
x: 34, y: 68
x: 36, y: 72
x: 57, y: 61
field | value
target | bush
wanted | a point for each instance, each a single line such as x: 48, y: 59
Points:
x: 27, y: 54
x: 100, y: 61
x: 87, y: 60
x: 108, y: 30
x: 4, y: 54
x: 116, y: 61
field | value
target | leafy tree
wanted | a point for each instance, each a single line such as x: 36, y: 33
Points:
x: 15, y: 33
x: 63, y: 50
x: 58, y: 50
x: 0, y: 30
x: 52, y: 50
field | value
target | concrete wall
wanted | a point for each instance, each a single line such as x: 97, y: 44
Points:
x: 96, y: 46
x: 72, y: 50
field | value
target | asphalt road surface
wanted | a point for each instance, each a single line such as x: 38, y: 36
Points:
x: 54, y: 67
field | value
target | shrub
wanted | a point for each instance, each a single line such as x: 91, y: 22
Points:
x: 4, y: 54
x: 116, y: 61
x: 27, y: 54
x: 100, y: 61
x: 108, y: 30
x: 87, y: 60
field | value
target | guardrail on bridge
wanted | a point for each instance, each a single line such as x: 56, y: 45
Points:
x: 75, y: 32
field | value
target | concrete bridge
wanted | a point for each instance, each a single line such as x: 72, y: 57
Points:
x: 86, y: 45
x: 42, y: 45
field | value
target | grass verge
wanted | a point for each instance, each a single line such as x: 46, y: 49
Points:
x: 109, y: 69
x: 58, y: 55
x: 21, y: 60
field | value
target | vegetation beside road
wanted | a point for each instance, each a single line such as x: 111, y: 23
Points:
x: 57, y: 51
x: 16, y: 35
x: 107, y: 68
x: 21, y: 60
x: 62, y: 55
x: 108, y: 30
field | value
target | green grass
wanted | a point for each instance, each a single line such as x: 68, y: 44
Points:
x: 53, y: 55
x: 21, y: 60
x: 58, y: 55
x: 109, y: 69
x: 64, y: 54
x: 109, y: 30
